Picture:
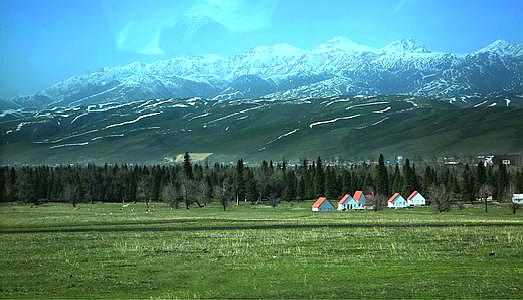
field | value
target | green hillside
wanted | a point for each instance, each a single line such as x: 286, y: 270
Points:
x: 345, y: 127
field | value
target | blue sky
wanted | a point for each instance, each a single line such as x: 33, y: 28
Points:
x: 42, y: 42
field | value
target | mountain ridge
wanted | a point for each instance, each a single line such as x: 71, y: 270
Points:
x: 339, y: 66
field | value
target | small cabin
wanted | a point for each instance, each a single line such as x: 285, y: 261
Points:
x: 359, y: 197
x: 322, y: 204
x: 344, y: 202
x: 397, y: 201
x: 347, y: 202
x: 517, y: 198
x: 415, y: 199
x: 488, y: 196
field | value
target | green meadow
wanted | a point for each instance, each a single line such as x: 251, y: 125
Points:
x: 108, y: 251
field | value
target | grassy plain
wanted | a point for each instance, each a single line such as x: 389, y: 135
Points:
x: 106, y: 251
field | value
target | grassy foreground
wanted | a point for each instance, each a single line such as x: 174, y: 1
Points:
x: 106, y: 251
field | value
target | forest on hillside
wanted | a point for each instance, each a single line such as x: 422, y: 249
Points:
x: 190, y: 184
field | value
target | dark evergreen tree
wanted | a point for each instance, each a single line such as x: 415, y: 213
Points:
x: 482, y: 174
x: 429, y: 178
x: 331, y: 184
x: 381, y: 179
x: 239, y: 182
x: 300, y: 189
x: 187, y: 167
x: 310, y: 190
x: 251, y: 191
x: 468, y: 188
x: 3, y: 190
x: 502, y: 182
x: 397, y: 180
x: 319, y: 179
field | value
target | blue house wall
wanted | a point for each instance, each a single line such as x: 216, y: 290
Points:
x: 326, y: 206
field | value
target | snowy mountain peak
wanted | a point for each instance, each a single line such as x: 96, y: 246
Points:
x: 339, y: 66
x: 406, y: 45
x: 342, y: 44
x: 503, y: 48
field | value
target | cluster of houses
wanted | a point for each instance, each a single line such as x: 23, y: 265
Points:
x: 359, y: 199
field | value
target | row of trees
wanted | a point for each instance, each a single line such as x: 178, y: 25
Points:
x: 196, y: 184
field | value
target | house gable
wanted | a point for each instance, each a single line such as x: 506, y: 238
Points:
x: 396, y: 201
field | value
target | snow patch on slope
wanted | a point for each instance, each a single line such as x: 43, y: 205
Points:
x: 333, y: 120
x: 282, y: 136
x: 107, y: 136
x: 382, y: 111
x: 69, y: 145
x: 479, y: 104
x: 133, y: 121
x: 366, y: 104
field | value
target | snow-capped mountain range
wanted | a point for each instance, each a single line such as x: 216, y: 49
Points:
x: 338, y: 67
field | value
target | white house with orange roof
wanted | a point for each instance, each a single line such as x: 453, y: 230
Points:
x: 344, y: 202
x: 359, y: 198
x: 322, y: 204
x: 415, y: 199
x: 347, y: 202
x: 397, y: 201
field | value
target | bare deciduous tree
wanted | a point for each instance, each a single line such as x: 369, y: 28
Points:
x: 70, y: 193
x: 169, y: 195
x: 508, y: 193
x: 379, y: 202
x: 224, y: 193
x: 439, y: 198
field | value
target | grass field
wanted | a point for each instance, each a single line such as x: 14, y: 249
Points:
x: 106, y: 251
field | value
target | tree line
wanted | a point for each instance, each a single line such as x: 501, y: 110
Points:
x: 191, y: 184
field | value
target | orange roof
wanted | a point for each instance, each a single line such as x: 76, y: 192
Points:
x: 319, y: 202
x: 412, y: 195
x: 357, y: 195
x: 393, y: 197
x: 345, y: 198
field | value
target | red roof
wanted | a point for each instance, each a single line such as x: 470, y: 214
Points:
x: 412, y: 195
x: 369, y: 197
x: 345, y: 198
x: 393, y: 197
x: 319, y: 202
x: 357, y: 196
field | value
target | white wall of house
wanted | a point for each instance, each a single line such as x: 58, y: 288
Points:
x: 398, y: 202
x: 417, y: 200
x: 343, y: 206
x: 352, y: 204
x: 517, y: 198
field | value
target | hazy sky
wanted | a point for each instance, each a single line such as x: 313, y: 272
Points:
x: 44, y: 41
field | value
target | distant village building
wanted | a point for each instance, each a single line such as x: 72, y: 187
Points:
x: 517, y: 198
x: 486, y: 159
x: 509, y: 160
x: 396, y: 201
x: 488, y: 196
x: 347, y: 202
x: 451, y: 161
x: 359, y: 197
x: 322, y: 204
x: 415, y: 199
x: 344, y: 202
